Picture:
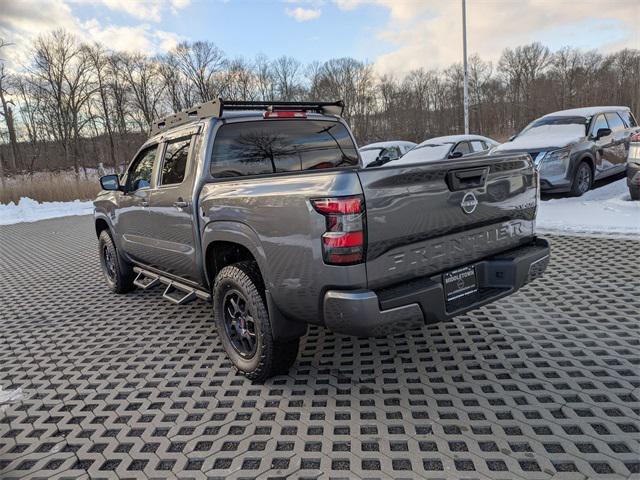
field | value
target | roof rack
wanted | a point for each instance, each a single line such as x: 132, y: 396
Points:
x: 215, y: 108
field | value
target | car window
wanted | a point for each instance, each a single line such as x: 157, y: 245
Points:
x: 463, y: 147
x: 174, y: 164
x: 392, y: 152
x: 599, y: 122
x: 274, y: 146
x: 627, y: 116
x: 139, y: 173
x: 615, y: 122
x: 478, y: 146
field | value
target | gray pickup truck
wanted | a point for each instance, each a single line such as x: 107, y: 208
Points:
x: 263, y: 209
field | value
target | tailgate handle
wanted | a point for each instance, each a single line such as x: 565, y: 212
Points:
x: 465, y: 179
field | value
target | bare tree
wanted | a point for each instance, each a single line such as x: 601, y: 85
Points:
x: 200, y: 62
x: 61, y: 73
x: 145, y: 82
x: 7, y: 112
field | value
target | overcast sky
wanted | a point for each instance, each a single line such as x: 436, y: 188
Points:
x: 396, y: 35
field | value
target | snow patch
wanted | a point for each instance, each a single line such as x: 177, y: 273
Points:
x: 9, y: 396
x: 607, y: 210
x: 28, y: 210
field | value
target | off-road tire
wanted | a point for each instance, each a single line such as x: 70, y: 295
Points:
x: 635, y: 193
x: 271, y: 357
x: 120, y: 276
x: 582, y: 180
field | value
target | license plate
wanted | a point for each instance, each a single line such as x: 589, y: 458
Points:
x: 459, y: 283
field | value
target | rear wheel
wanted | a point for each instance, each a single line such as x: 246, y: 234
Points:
x: 117, y: 273
x: 582, y: 180
x: 243, y: 325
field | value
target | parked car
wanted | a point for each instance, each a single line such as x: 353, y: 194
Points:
x: 633, y: 167
x: 376, y: 154
x: 572, y: 148
x: 451, y: 146
x: 264, y: 209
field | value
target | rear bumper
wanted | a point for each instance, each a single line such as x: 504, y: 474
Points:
x: 367, y: 313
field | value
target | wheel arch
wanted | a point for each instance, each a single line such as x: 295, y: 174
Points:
x: 225, y: 243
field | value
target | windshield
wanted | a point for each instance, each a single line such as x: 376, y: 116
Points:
x: 426, y: 153
x: 565, y: 126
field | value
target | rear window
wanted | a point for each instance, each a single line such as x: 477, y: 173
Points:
x: 275, y: 146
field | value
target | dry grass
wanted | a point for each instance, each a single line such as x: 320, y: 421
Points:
x: 49, y: 187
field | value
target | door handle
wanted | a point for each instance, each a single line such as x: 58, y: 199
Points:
x: 180, y: 204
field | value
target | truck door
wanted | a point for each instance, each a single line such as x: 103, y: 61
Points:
x: 171, y: 208
x: 133, y: 215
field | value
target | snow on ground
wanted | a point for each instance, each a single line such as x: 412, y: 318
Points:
x: 28, y: 210
x: 606, y: 210
x: 9, y: 396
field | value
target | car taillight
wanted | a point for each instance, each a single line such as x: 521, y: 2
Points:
x: 343, y: 242
x: 635, y: 137
x: 285, y: 114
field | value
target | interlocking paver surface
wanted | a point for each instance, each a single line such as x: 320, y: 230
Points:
x: 544, y: 383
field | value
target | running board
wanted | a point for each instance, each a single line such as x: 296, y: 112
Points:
x: 176, y: 292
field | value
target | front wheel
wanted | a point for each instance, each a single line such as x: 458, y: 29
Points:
x: 582, y: 180
x: 117, y: 273
x: 243, y: 325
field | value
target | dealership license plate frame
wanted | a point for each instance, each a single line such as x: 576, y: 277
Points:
x: 459, y: 283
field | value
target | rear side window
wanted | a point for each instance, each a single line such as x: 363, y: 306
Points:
x: 627, y: 116
x: 174, y: 165
x: 274, y: 146
x: 478, y: 146
x: 615, y: 122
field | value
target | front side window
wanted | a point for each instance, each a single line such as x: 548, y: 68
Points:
x: 463, y: 147
x: 139, y: 174
x: 274, y: 146
x: 598, y: 123
x: 174, y: 165
x: 614, y: 121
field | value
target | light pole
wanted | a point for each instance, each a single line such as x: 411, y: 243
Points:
x: 466, y: 72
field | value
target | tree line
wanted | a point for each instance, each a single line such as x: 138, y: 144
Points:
x: 75, y: 105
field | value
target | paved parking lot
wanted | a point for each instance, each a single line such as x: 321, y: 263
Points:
x: 542, y: 384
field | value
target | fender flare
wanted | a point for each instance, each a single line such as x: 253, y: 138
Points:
x: 234, y: 232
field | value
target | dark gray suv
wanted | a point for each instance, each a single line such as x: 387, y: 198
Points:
x: 572, y: 148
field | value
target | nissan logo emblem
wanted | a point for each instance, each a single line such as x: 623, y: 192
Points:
x: 469, y: 203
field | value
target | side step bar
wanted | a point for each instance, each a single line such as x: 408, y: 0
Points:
x: 176, y: 292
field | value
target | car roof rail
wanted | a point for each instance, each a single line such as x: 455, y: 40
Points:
x: 215, y: 108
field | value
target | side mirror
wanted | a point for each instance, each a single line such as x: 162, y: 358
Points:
x: 455, y: 155
x: 603, y: 132
x: 385, y: 158
x: 110, y: 182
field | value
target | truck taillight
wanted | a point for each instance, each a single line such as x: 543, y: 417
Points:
x: 343, y: 242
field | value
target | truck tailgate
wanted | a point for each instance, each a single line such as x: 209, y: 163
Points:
x: 428, y: 218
